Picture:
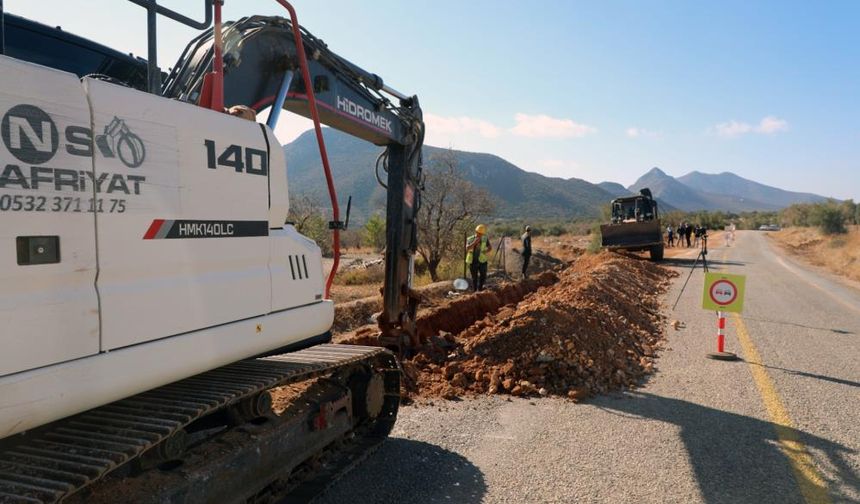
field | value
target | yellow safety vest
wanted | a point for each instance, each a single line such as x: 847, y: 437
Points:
x: 482, y: 257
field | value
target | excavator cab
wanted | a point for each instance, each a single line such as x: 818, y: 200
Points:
x: 27, y: 40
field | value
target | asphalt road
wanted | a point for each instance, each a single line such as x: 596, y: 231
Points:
x: 780, y: 425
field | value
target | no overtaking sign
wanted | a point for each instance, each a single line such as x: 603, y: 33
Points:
x: 723, y: 292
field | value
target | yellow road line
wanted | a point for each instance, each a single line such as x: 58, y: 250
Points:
x: 812, y: 485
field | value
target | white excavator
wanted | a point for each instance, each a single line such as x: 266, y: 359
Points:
x: 152, y: 292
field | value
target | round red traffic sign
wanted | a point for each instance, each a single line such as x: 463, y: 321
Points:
x: 723, y: 292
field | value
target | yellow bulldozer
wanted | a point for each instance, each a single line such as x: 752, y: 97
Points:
x: 635, y: 225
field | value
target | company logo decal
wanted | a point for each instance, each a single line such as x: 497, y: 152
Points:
x: 118, y: 140
x: 369, y: 116
x: 30, y: 134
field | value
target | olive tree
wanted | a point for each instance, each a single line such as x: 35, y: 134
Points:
x: 449, y: 204
x: 308, y: 216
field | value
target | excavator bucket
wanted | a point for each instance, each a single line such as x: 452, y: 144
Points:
x: 631, y: 235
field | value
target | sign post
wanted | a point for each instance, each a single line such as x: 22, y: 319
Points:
x: 723, y: 293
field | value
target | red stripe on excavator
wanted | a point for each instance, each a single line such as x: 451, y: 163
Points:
x: 153, y: 229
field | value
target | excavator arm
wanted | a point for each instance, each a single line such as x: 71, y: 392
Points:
x: 262, y: 68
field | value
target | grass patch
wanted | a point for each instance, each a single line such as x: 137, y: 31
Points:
x: 839, y: 254
x: 449, y: 269
x: 595, y: 244
x: 360, y: 276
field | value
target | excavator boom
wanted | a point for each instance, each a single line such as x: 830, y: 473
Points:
x: 261, y: 62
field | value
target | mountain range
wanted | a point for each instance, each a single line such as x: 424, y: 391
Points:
x: 519, y: 193
x: 725, y: 191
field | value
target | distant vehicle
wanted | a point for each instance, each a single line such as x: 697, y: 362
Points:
x: 635, y: 225
x: 769, y: 227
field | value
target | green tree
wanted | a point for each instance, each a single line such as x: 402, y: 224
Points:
x: 373, y: 232
x: 799, y: 214
x: 308, y: 217
x: 350, y: 238
x: 849, y: 211
x: 830, y: 219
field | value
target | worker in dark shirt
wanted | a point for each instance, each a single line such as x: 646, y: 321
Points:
x: 527, y: 249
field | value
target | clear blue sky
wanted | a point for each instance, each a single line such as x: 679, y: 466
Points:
x: 594, y: 90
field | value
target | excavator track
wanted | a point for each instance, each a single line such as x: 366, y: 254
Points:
x: 61, y: 459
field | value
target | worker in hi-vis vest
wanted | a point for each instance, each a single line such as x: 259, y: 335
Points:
x: 477, y: 247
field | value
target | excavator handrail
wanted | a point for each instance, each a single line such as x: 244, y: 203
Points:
x: 312, y: 104
x: 181, y: 18
x: 213, y: 97
x: 152, y: 8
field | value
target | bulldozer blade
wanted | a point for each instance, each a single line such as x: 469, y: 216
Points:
x: 631, y: 235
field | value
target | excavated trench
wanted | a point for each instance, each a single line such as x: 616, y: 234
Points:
x: 590, y: 327
x: 441, y: 315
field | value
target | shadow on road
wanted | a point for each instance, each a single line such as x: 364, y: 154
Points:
x: 683, y: 262
x: 402, y: 470
x: 737, y: 458
x: 794, y: 324
x: 830, y: 379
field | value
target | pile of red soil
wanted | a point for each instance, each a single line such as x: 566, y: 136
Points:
x: 594, y: 329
